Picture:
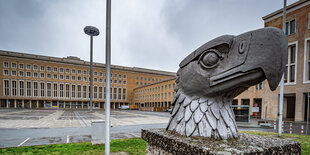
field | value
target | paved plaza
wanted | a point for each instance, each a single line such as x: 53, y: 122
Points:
x: 13, y: 118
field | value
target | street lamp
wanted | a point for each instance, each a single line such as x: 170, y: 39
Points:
x: 91, y: 31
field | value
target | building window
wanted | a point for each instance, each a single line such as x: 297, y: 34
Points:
x: 67, y: 91
x: 28, y: 74
x: 88, y: 91
x: 100, y: 80
x: 259, y: 86
x: 28, y: 66
x: 28, y: 84
x: 79, y: 78
x: 290, y: 27
x: 119, y: 93
x: 73, y: 78
x: 48, y: 76
x: 21, y: 73
x: 115, y: 75
x: 124, y: 93
x: 35, y: 75
x: 95, y: 73
x: 6, y: 87
x: 95, y: 91
x: 5, y: 72
x: 67, y: 77
x: 13, y: 73
x: 119, y: 76
x: 55, y: 76
x: 84, y: 91
x: 111, y: 93
x: 137, y: 83
x: 124, y: 82
x: 48, y: 89
x: 79, y: 72
x: 73, y: 91
x: 55, y: 69
x: 61, y: 90
x: 6, y: 64
x: 49, y: 68
x: 101, y: 74
x: 307, y: 60
x: 95, y: 80
x: 42, y: 89
x: 114, y: 93
x: 21, y: 66
x: 21, y: 88
x: 79, y: 91
x: 100, y: 92
x: 137, y: 78
x: 41, y: 75
x: 84, y: 72
x: 73, y: 71
x: 84, y: 79
x: 14, y: 88
x: 115, y: 81
x: 35, y: 88
x: 119, y: 81
x: 55, y: 89
x: 35, y: 67
x: 61, y: 70
x: 13, y: 65
x: 104, y: 93
x: 290, y: 69
x: 68, y: 71
x: 61, y: 77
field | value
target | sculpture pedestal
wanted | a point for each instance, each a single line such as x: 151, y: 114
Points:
x: 160, y: 141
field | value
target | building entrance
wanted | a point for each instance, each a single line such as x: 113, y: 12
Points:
x: 290, y: 110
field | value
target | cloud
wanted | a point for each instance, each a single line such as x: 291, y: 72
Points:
x: 145, y: 33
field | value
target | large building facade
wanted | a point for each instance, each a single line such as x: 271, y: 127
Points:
x: 35, y: 81
x: 297, y: 74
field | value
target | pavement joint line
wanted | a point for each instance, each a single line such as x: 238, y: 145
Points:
x: 68, y: 139
x: 23, y: 142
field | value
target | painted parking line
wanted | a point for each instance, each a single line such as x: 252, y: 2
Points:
x: 68, y: 139
x: 23, y: 142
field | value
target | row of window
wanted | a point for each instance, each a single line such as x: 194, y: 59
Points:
x: 61, y: 77
x: 61, y: 70
x: 156, y: 89
x: 42, y: 89
x: 156, y: 96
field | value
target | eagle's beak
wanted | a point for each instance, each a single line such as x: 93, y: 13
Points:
x: 266, y: 57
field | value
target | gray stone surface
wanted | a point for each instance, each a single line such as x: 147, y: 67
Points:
x: 161, y: 141
x: 211, y: 76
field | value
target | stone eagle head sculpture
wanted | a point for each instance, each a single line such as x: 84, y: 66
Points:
x: 210, y: 77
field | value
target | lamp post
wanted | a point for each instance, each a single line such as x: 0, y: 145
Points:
x: 91, y: 31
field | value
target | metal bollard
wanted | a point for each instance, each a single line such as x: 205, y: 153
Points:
x: 302, y: 129
x: 275, y: 124
x: 291, y: 130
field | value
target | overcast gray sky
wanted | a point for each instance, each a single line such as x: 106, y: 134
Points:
x: 155, y: 34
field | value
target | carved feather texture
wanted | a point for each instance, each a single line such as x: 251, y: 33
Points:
x: 202, y: 117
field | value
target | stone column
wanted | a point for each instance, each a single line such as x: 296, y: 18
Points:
x: 37, y: 103
x: 114, y: 106
x: 70, y: 104
x: 7, y: 103
x: 23, y: 104
x: 30, y: 106
x: 57, y: 104
x: 300, y: 106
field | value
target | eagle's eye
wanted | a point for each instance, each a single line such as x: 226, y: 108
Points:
x: 210, y: 58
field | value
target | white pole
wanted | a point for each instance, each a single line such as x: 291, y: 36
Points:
x: 307, y: 114
x: 91, y: 75
x: 108, y: 75
x: 282, y: 79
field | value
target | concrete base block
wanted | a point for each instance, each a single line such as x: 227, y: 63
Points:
x: 161, y: 141
x: 97, y: 132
